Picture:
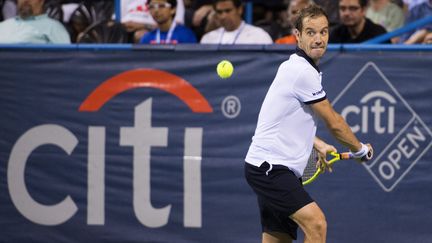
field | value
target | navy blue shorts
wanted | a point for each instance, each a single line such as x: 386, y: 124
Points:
x: 280, y: 194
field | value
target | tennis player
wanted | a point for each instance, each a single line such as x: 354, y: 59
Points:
x: 285, y: 135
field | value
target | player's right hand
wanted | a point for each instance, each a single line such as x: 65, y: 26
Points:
x: 369, y: 154
x: 365, y: 153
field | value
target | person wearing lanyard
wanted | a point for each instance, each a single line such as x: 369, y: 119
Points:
x: 167, y: 31
x: 233, y: 29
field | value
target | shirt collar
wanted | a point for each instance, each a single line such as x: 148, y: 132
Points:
x: 31, y: 17
x: 240, y: 27
x: 303, y: 54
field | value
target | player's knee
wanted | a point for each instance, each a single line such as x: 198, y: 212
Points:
x: 319, y: 224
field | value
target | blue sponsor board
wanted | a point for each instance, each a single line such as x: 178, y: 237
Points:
x: 401, y: 154
x: 374, y: 107
x: 148, y: 146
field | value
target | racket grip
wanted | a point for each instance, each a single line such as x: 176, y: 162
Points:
x: 346, y: 155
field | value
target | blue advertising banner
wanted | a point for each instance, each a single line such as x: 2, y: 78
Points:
x: 149, y: 145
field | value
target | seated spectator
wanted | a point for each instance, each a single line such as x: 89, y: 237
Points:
x: 9, y: 9
x: 136, y: 17
x: 409, y: 4
x: 201, y: 17
x: 418, y: 12
x: 271, y: 17
x: 354, y: 27
x: 293, y: 11
x: 234, y: 30
x: 331, y: 8
x: 167, y: 30
x: 385, y: 13
x: 32, y: 26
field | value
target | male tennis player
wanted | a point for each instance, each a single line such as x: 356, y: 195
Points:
x: 285, y: 135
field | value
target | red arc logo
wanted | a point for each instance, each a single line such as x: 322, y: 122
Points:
x: 149, y: 78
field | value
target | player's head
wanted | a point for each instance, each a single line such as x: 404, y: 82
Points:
x: 162, y: 10
x: 352, y: 12
x: 28, y: 8
x: 312, y: 31
x: 229, y: 13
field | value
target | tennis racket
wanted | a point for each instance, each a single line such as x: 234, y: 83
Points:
x: 311, y: 172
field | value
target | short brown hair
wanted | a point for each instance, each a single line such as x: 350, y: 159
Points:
x: 309, y: 11
x: 172, y: 2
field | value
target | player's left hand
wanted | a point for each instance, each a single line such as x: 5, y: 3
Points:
x: 322, y: 162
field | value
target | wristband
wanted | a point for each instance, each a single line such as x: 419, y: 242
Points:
x: 362, y: 152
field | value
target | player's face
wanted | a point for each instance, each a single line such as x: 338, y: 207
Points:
x: 161, y: 11
x: 350, y: 12
x: 228, y: 15
x: 313, y: 38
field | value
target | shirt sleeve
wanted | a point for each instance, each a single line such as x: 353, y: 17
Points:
x: 308, y: 88
x: 147, y: 37
x: 265, y: 38
x: 58, y: 34
x: 205, y: 39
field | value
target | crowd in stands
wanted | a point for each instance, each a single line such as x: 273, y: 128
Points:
x: 204, y: 21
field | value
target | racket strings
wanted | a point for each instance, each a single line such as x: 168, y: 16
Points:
x: 311, y: 166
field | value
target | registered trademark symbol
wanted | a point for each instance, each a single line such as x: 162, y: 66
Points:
x: 231, y: 107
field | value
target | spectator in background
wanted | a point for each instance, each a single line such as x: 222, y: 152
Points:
x: 32, y: 26
x: 409, y: 4
x: 137, y: 19
x: 385, y: 13
x: 9, y: 9
x: 354, y: 27
x: 271, y: 16
x: 234, y: 30
x: 331, y: 7
x: 167, y: 30
x: 293, y: 10
x: 418, y: 12
x: 201, y: 17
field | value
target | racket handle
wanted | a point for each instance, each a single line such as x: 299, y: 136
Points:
x: 349, y: 155
x: 346, y: 155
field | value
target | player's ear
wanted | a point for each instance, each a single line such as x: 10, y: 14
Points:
x: 297, y: 34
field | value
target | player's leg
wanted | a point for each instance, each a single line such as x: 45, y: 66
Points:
x: 276, y: 237
x: 312, y: 221
x: 280, y: 194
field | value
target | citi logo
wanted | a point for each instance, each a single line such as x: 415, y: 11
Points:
x: 141, y: 137
x: 377, y: 105
x: 378, y: 114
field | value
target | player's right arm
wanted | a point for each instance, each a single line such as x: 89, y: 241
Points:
x: 339, y: 128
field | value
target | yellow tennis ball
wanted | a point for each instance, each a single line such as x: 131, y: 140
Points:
x: 225, y: 69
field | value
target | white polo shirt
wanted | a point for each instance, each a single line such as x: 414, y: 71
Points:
x: 286, y: 124
x: 244, y: 34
